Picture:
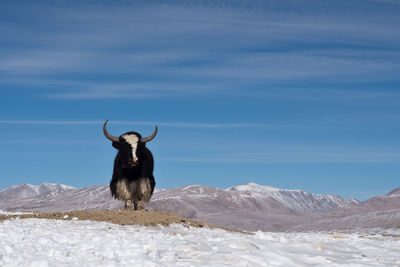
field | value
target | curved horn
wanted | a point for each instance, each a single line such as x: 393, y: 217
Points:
x: 147, y: 139
x: 109, y: 136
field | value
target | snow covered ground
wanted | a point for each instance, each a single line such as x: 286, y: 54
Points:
x: 41, y: 242
x: 13, y: 212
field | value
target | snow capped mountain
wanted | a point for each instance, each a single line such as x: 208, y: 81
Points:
x: 298, y: 200
x: 221, y: 207
x: 394, y: 193
x: 250, y: 196
x: 248, y: 207
x: 29, y: 191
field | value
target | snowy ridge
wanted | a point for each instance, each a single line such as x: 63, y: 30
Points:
x: 29, y: 191
x: 298, y: 200
x: 394, y: 193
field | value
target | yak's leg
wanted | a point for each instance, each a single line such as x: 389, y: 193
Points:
x: 138, y: 204
x: 145, y: 189
x: 143, y: 193
x: 128, y: 204
x: 124, y: 193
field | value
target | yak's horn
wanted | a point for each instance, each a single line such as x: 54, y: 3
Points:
x: 147, y: 139
x: 109, y: 136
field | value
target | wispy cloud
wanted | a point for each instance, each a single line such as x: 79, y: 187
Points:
x: 291, y: 156
x: 213, y: 149
x: 164, y: 50
x: 150, y: 123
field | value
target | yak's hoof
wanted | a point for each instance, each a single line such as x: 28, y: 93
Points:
x: 139, y: 205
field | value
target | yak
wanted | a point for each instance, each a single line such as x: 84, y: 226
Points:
x: 132, y: 179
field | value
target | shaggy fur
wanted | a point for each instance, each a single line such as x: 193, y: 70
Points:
x: 132, y: 178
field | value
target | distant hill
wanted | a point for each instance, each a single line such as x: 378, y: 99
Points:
x: 29, y: 191
x: 298, y: 200
x: 248, y: 207
x: 380, y: 211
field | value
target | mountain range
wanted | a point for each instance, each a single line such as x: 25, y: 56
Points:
x: 30, y: 191
x: 248, y: 207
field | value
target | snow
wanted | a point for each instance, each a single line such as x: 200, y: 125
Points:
x: 41, y: 242
x: 13, y: 212
x: 253, y: 187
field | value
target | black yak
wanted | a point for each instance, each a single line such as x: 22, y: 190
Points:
x: 132, y: 178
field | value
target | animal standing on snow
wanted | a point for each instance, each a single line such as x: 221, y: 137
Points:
x: 132, y: 178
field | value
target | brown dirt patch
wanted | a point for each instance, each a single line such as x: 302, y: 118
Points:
x: 122, y: 217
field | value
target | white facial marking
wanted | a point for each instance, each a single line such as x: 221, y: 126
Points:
x: 133, y: 141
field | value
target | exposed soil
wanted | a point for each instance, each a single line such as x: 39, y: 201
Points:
x: 122, y: 217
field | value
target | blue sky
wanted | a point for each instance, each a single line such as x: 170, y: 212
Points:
x: 293, y: 94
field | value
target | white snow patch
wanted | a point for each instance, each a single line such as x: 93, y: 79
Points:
x: 13, y: 212
x: 253, y: 187
x: 41, y: 242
